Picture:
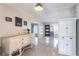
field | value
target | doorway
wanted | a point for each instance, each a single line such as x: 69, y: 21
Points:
x: 35, y: 31
x: 51, y: 35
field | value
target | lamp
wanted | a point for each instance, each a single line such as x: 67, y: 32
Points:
x: 39, y: 7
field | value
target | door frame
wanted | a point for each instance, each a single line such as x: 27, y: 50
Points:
x: 32, y: 24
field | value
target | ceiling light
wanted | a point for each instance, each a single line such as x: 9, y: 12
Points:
x: 39, y: 7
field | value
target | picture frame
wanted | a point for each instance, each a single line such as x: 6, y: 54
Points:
x: 25, y: 23
x: 8, y: 19
x: 18, y: 21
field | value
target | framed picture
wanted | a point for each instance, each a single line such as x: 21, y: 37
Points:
x: 25, y: 23
x: 8, y: 19
x: 18, y: 21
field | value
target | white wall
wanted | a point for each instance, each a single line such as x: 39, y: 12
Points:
x: 77, y: 32
x: 9, y: 28
x: 77, y: 10
x: 54, y: 15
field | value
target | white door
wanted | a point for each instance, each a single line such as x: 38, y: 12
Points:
x: 67, y: 40
x: 67, y: 46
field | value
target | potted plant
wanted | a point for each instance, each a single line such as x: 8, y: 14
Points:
x: 28, y: 30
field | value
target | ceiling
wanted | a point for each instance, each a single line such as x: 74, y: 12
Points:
x: 51, y: 12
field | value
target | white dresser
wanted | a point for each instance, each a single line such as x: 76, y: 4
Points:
x: 14, y: 43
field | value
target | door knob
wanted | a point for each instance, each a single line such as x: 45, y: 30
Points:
x: 63, y: 37
x: 66, y: 44
x: 70, y: 38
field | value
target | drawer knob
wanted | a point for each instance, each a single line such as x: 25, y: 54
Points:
x: 22, y: 39
x: 22, y: 43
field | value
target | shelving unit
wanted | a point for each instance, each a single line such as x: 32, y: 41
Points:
x: 47, y: 30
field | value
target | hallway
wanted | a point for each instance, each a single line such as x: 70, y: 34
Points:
x: 42, y: 49
x: 21, y: 27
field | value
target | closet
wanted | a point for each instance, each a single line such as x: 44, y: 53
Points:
x: 67, y: 37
